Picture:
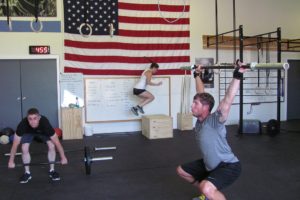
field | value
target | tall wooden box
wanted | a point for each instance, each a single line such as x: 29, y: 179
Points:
x: 185, y: 121
x: 157, y: 126
x: 72, y: 123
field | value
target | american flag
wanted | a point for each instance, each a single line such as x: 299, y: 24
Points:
x: 144, y: 31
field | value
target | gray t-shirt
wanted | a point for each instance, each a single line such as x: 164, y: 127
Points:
x: 211, y: 140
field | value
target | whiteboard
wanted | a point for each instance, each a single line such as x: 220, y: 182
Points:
x: 110, y: 99
x: 71, y: 86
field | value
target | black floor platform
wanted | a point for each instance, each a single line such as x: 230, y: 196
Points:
x: 144, y: 169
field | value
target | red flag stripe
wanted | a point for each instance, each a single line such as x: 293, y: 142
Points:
x: 125, y: 46
x: 151, y: 20
x: 120, y: 71
x: 130, y: 33
x: 123, y: 59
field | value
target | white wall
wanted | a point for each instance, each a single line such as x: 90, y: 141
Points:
x: 257, y: 16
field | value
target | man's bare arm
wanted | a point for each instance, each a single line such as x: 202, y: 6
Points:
x: 199, y: 83
x: 226, y: 102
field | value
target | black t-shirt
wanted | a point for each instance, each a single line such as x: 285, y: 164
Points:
x: 44, y: 128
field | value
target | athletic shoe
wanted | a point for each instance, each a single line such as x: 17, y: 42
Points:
x: 54, y: 175
x: 140, y: 109
x: 25, y: 178
x: 201, y: 197
x: 134, y: 110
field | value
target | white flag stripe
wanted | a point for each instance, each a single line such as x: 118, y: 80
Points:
x: 153, y: 14
x: 121, y: 39
x: 129, y: 53
x: 129, y: 66
x: 155, y: 2
x: 153, y: 27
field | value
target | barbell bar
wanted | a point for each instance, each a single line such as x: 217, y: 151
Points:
x: 88, y: 160
x: 73, y: 150
x: 252, y: 66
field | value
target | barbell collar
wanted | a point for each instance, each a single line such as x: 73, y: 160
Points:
x: 104, y: 148
x: 98, y: 159
x: 101, y: 158
x: 255, y: 65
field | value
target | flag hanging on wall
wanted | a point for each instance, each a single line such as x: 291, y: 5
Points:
x: 122, y: 37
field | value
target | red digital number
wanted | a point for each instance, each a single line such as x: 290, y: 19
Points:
x: 39, y: 49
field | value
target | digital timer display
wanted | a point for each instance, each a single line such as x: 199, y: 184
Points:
x: 39, y: 49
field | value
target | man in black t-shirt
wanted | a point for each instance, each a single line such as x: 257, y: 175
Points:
x: 36, y: 125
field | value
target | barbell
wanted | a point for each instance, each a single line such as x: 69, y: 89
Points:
x: 252, y: 66
x: 66, y: 151
x: 88, y: 160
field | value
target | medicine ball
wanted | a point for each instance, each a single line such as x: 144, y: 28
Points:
x: 272, y: 127
x: 4, y: 139
x: 7, y: 131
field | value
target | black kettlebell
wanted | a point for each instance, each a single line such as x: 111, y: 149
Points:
x: 272, y: 127
x: 7, y: 131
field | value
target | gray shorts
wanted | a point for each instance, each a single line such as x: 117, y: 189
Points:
x: 28, y: 137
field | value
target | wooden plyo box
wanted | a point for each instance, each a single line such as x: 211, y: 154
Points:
x: 72, y: 123
x: 185, y: 121
x: 157, y: 126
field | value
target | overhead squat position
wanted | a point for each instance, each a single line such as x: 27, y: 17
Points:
x: 217, y: 167
x: 140, y: 88
x: 36, y: 125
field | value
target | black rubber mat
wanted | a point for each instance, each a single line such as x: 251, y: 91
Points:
x: 144, y: 169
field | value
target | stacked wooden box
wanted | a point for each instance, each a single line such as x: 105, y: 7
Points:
x: 157, y: 126
x: 72, y: 123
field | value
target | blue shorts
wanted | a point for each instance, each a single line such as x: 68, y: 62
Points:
x: 222, y: 176
x: 28, y: 137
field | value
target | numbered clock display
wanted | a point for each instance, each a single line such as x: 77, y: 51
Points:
x: 39, y: 49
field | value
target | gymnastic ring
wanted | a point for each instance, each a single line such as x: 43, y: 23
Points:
x: 90, y: 29
x: 40, y: 25
x: 175, y: 20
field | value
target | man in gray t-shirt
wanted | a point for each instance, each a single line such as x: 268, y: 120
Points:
x: 218, y: 166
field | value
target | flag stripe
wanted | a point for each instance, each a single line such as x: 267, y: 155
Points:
x: 150, y: 20
x: 122, y: 39
x: 153, y: 7
x: 128, y: 53
x: 124, y: 59
x: 129, y: 66
x: 118, y: 45
x: 121, y: 72
x: 156, y: 14
x: 130, y: 33
x: 155, y: 2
